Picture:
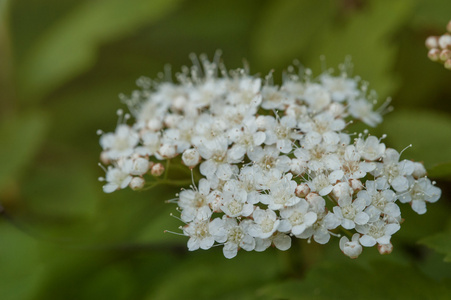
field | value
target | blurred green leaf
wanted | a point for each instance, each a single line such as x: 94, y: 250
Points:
x: 22, y: 269
x: 440, y: 242
x: 287, y: 28
x: 429, y: 132
x: 212, y: 276
x: 347, y: 280
x: 367, y: 36
x: 69, y: 46
x: 442, y: 170
x: 432, y: 12
x: 21, y: 137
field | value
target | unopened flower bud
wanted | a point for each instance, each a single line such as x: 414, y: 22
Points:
x: 104, y: 158
x: 342, y: 189
x: 137, y: 183
x: 445, y: 55
x: 448, y: 64
x: 298, y: 166
x: 154, y: 125
x: 419, y: 170
x: 140, y: 166
x: 356, y: 185
x: 191, y: 158
x: 448, y: 27
x: 444, y: 41
x: 171, y: 120
x: 168, y: 151
x: 302, y: 190
x: 385, y: 249
x: 157, y: 169
x: 434, y: 54
x: 179, y: 103
x: 432, y: 42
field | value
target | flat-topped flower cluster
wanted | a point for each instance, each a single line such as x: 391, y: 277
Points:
x: 276, y: 161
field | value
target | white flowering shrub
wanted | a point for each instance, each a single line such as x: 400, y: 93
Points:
x: 272, y: 162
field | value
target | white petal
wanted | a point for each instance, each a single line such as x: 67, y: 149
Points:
x: 361, y: 218
x: 367, y: 241
x: 282, y: 242
x: 419, y: 206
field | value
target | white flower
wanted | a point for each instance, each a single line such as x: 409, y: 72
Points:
x: 420, y: 192
x: 351, y: 248
x: 352, y: 166
x: 116, y: 179
x: 363, y: 110
x: 121, y: 143
x: 341, y: 88
x: 191, y: 157
x: 323, y: 184
x: 380, y: 199
x: 370, y: 149
x: 234, y: 236
x: 282, y: 193
x: 394, y: 171
x: 266, y: 223
x: 194, y: 203
x: 280, y: 240
x: 377, y: 232
x: 297, y: 218
x: 199, y: 234
x: 351, y: 212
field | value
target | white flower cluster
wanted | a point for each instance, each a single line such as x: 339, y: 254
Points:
x: 276, y: 161
x: 440, y: 48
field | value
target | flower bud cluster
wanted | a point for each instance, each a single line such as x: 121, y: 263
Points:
x: 440, y: 48
x: 276, y: 161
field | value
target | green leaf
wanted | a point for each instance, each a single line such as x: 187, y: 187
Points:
x: 288, y: 28
x: 21, y: 138
x: 442, y: 170
x: 429, y: 133
x: 69, y: 46
x: 440, y: 242
x: 22, y: 269
x: 348, y: 280
x: 366, y: 36
x: 432, y: 12
x: 212, y: 276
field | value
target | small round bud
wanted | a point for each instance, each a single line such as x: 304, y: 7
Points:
x: 297, y: 166
x: 154, y: 125
x: 448, y: 64
x: 434, y: 54
x: 385, y: 249
x: 137, y: 183
x: 302, y: 190
x: 432, y: 42
x: 157, y: 169
x: 356, y: 185
x: 342, y: 189
x: 139, y: 166
x: 444, y: 41
x: 445, y: 55
x: 168, y: 151
x: 191, y: 158
x: 179, y: 103
x: 171, y: 120
x: 104, y: 158
x: 419, y: 170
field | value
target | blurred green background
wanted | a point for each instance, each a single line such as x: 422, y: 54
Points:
x: 63, y: 64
